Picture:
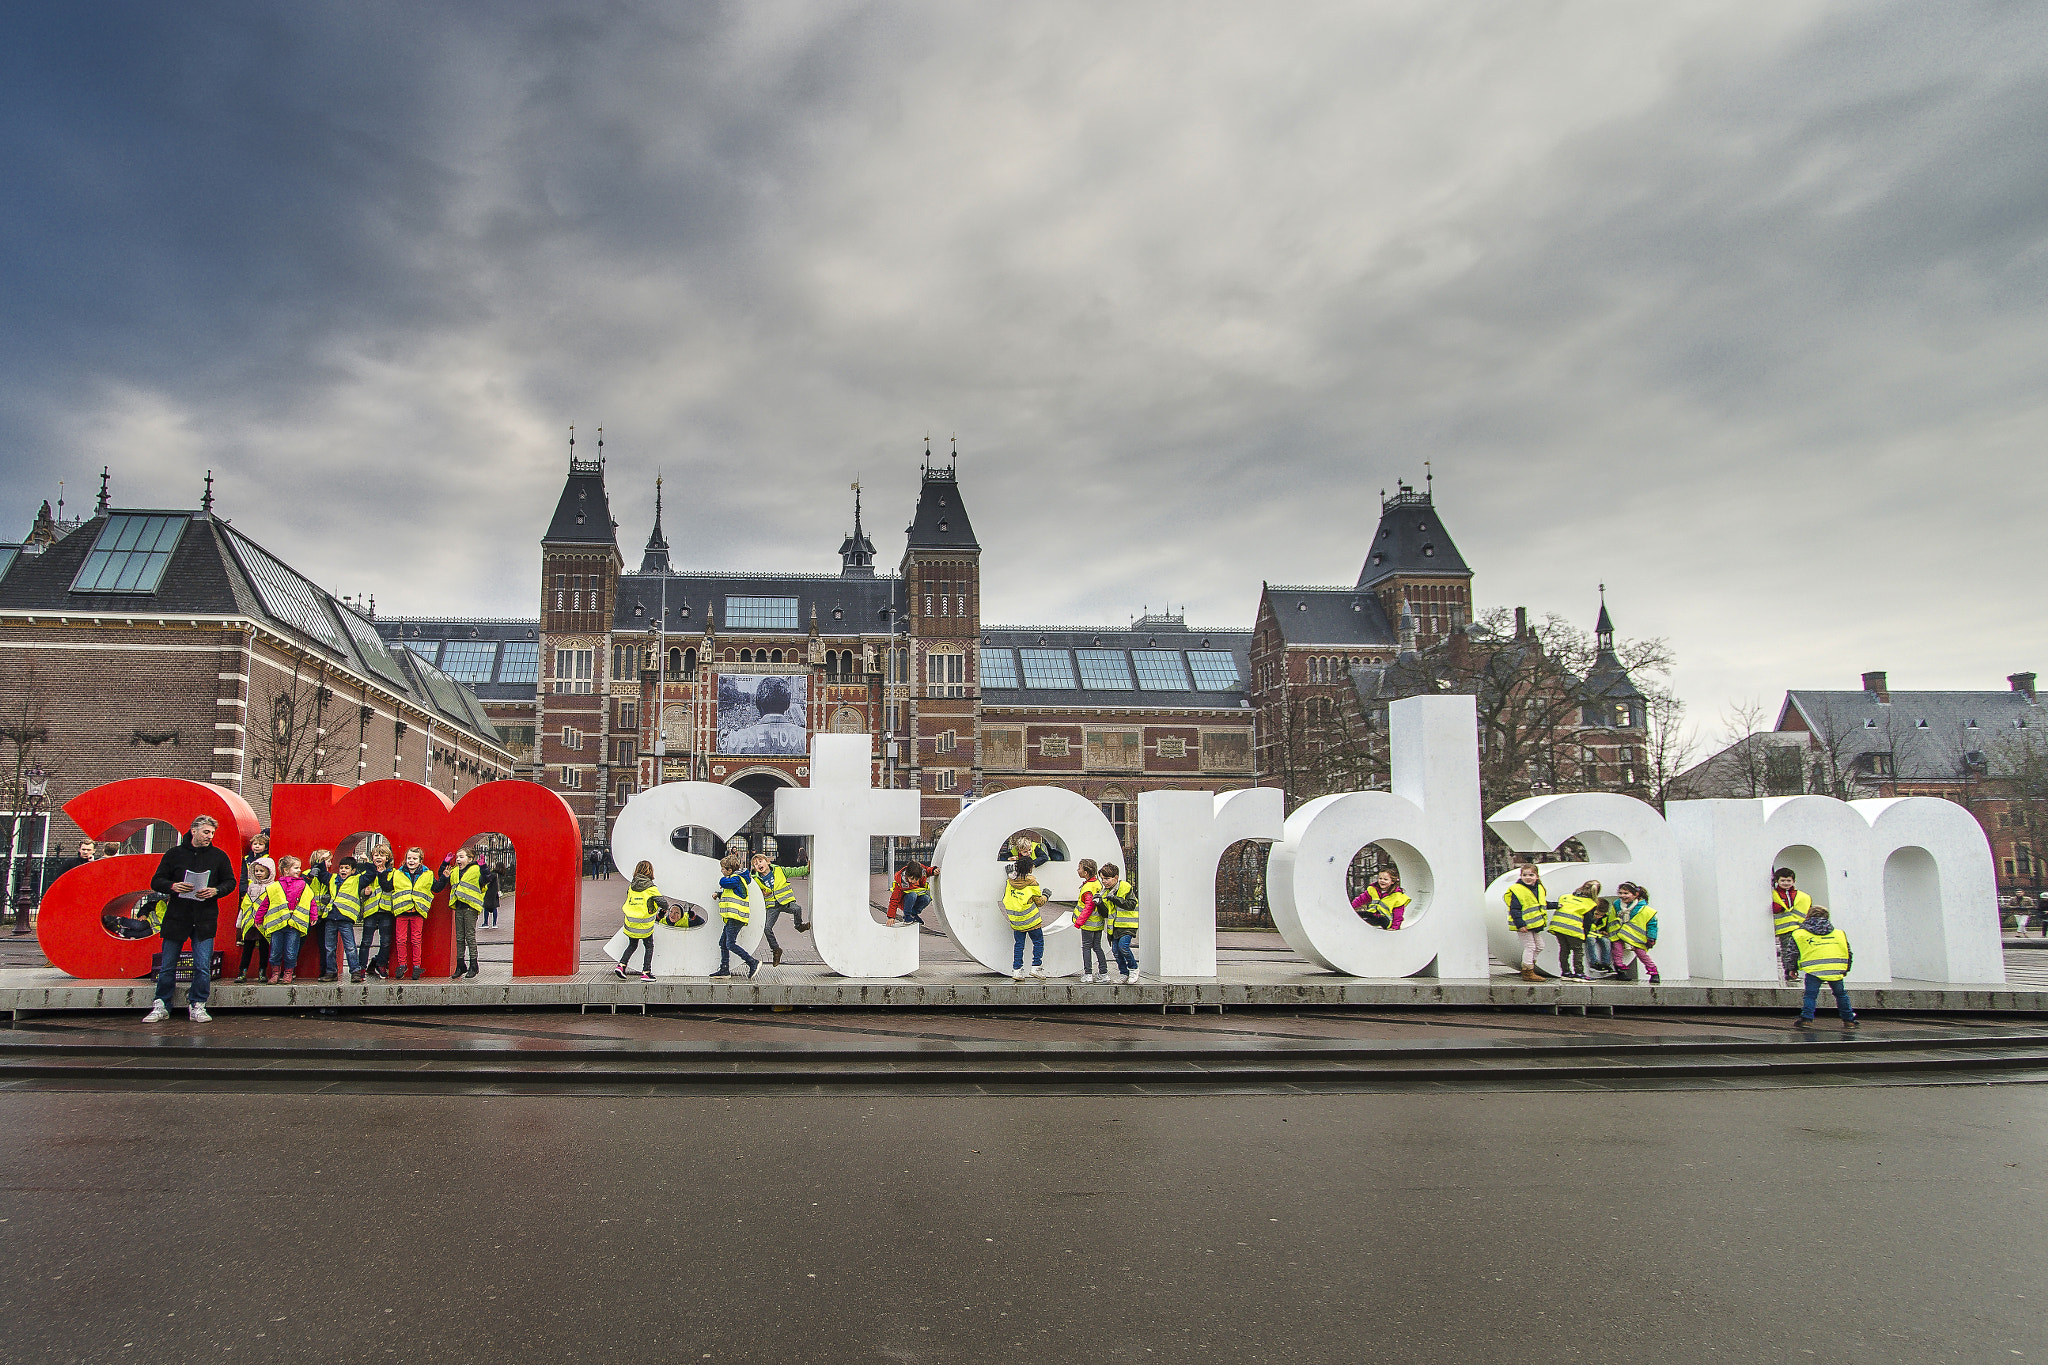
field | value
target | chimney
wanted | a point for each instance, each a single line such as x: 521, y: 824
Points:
x: 1521, y: 622
x: 1875, y: 683
x: 2022, y: 682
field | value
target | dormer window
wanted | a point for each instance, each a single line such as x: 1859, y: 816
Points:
x: 1429, y: 552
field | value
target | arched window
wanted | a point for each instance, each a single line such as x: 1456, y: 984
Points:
x: 846, y: 664
x: 675, y: 663
x: 776, y: 657
x: 746, y: 656
x: 690, y: 663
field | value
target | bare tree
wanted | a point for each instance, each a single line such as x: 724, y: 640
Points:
x: 289, y: 734
x: 1836, y: 737
x: 1670, y: 745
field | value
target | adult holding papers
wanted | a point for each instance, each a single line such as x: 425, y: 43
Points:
x: 195, y: 875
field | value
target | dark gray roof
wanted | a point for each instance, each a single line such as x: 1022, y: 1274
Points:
x: 583, y: 516
x: 1410, y: 540
x: 479, y: 659
x: 1169, y: 634
x: 655, y: 558
x: 1607, y: 679
x: 940, y: 522
x: 865, y: 605
x: 216, y: 570
x: 1927, y: 734
x: 1340, y: 617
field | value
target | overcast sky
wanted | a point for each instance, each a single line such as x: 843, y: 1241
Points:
x: 1736, y: 307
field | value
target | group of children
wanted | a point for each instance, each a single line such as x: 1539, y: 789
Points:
x: 1107, y: 906
x: 1596, y: 934
x: 284, y: 902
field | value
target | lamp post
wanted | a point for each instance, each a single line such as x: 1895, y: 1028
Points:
x: 36, y: 783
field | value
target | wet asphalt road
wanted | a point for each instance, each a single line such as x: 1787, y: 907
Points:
x: 1856, y: 1223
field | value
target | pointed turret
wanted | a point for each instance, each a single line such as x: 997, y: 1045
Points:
x: 583, y: 516
x: 940, y: 522
x: 1613, y: 699
x: 1603, y: 629
x: 1413, y: 568
x: 655, y: 559
x: 857, y: 552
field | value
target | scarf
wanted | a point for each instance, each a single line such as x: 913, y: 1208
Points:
x: 1817, y: 922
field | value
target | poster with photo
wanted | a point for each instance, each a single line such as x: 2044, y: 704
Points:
x: 762, y: 713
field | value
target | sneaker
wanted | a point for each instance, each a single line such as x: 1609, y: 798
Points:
x: 1017, y: 974
x: 355, y: 976
x: 753, y: 967
x: 1085, y: 978
x: 1802, y: 1022
x: 157, y: 1013
x: 1131, y: 980
x: 647, y: 976
x: 726, y: 976
x: 198, y: 1015
x: 1852, y: 1023
x: 621, y: 970
x: 1037, y: 971
x: 1655, y: 979
x: 416, y: 972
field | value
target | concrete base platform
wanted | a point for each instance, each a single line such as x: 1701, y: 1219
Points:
x: 1276, y: 985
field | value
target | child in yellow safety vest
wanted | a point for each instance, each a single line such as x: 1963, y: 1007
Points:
x: 1569, y: 926
x: 1383, y: 903
x: 1824, y: 959
x: 338, y: 922
x: 1120, y: 902
x: 260, y: 899
x: 373, y: 889
x: 463, y: 880
x: 1789, y: 908
x: 289, y: 924
x: 1091, y: 919
x: 734, y: 911
x: 779, y: 898
x: 644, y: 905
x: 1635, y: 932
x: 1529, y: 907
x: 412, y: 900
x: 1021, y: 899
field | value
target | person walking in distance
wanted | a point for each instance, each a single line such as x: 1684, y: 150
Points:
x: 1529, y: 907
x: 1021, y: 901
x: 373, y: 888
x: 1383, y: 903
x: 644, y: 902
x: 1789, y: 908
x: 1568, y: 925
x: 194, y: 875
x: 1120, y: 900
x: 412, y: 900
x: 1825, y: 957
x: 490, y: 876
x: 463, y: 880
x: 779, y: 897
x: 1635, y: 932
x: 338, y: 924
x: 733, y: 911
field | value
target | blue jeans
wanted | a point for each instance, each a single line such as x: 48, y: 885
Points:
x: 202, y: 971
x: 1811, y: 999
x: 915, y: 903
x: 728, y: 944
x: 1037, y: 937
x: 284, y: 949
x: 1126, y: 955
x: 1600, y: 952
x: 337, y: 927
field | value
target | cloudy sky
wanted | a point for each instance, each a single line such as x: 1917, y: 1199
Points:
x: 1736, y: 307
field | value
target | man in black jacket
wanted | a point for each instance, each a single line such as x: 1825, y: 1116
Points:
x: 196, y: 876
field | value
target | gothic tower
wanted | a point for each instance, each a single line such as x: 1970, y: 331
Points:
x: 942, y: 585
x: 1415, y: 570
x: 580, y: 567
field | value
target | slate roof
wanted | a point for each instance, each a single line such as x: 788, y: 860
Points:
x: 1148, y: 633
x: 1411, y: 539
x: 583, y: 516
x: 216, y: 570
x: 940, y: 521
x: 866, y: 606
x: 503, y: 679
x: 1340, y: 617
x: 1926, y: 733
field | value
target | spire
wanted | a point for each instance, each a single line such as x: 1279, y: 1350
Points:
x: 857, y: 552
x: 101, y: 506
x: 655, y: 560
x: 1411, y: 539
x: 1603, y: 629
x: 206, y: 501
x: 583, y: 515
x: 940, y: 521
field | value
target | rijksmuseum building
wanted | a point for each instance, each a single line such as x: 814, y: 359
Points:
x: 664, y: 672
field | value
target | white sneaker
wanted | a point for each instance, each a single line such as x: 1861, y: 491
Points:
x: 1017, y: 975
x: 198, y: 1015
x: 1038, y: 972
x: 157, y: 1013
x: 1085, y: 978
x: 1131, y: 980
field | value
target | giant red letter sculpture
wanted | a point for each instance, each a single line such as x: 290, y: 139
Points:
x: 69, y: 927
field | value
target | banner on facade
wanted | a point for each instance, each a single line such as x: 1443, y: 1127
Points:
x: 763, y: 713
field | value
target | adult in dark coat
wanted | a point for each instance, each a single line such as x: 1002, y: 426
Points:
x: 196, y: 876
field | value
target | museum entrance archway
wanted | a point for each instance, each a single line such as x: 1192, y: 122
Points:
x: 758, y: 834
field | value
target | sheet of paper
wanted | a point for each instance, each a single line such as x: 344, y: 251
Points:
x: 197, y: 881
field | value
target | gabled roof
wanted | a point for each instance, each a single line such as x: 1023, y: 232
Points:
x: 1411, y: 539
x: 1343, y: 618
x: 1927, y: 734
x: 940, y: 521
x: 216, y: 570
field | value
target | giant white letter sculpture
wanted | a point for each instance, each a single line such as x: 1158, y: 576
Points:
x: 1625, y: 840
x: 1910, y: 879
x: 1184, y: 834
x: 1429, y: 822
x: 841, y: 810
x: 969, y: 887
x: 643, y: 832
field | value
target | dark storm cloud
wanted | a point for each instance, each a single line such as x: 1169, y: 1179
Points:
x: 1735, y: 308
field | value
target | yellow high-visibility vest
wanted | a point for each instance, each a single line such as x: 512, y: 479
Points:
x: 412, y: 893
x: 1785, y: 918
x: 1569, y: 918
x: 734, y: 905
x: 1093, y: 917
x: 640, y: 911
x: 1123, y: 908
x: 1525, y: 906
x: 256, y: 908
x: 375, y: 898
x: 1020, y: 902
x: 775, y: 888
x: 1823, y: 955
x: 284, y: 917
x: 1634, y: 928
x: 344, y: 899
x: 466, y: 888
